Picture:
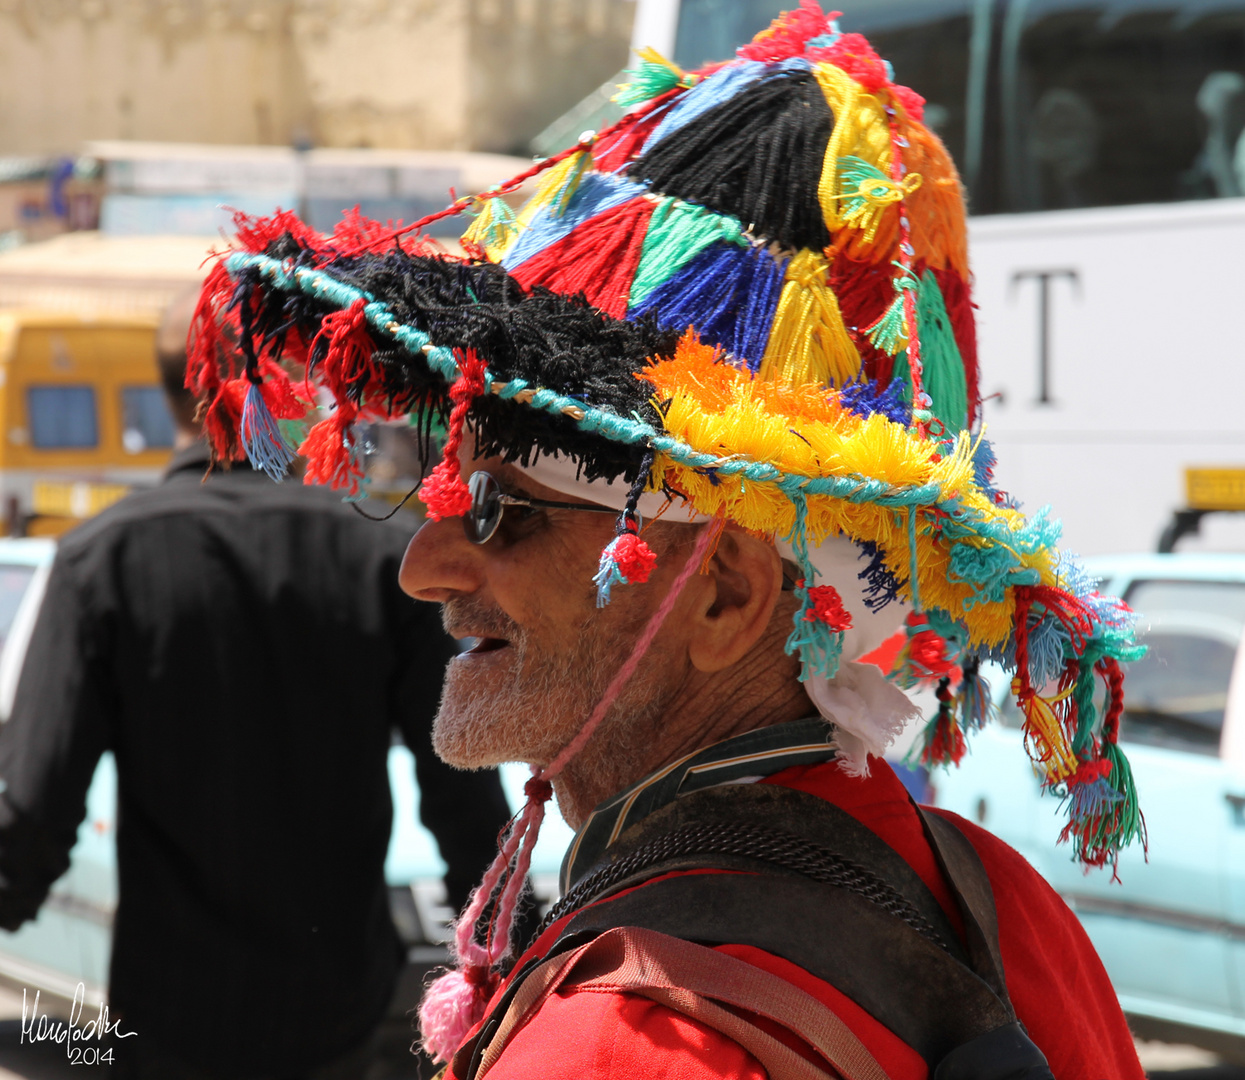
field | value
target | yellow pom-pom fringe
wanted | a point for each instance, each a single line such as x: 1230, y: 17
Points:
x: 723, y: 410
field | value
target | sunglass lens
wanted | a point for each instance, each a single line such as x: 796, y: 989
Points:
x: 482, y: 519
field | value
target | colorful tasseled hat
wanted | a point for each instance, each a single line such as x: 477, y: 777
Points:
x: 749, y: 297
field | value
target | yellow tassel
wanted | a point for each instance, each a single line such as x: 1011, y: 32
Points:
x: 494, y: 229
x: 557, y: 187
x: 861, y: 130
x: 1045, y: 739
x: 808, y: 341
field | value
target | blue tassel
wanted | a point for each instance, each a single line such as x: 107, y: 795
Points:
x: 976, y: 706
x: 881, y: 585
x: 864, y: 399
x: 728, y: 293
x: 1088, y: 801
x: 262, y: 438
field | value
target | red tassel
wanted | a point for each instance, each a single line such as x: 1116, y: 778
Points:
x: 254, y: 234
x: 945, y: 744
x: 910, y: 101
x: 926, y: 652
x: 204, y: 354
x: 348, y: 349
x: 864, y: 290
x: 444, y: 492
x: 826, y: 606
x: 598, y: 259
x: 222, y: 419
x: 329, y: 450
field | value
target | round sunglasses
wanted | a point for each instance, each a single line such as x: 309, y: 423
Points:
x: 489, y: 502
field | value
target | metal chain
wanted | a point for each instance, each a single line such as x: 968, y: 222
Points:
x: 791, y: 852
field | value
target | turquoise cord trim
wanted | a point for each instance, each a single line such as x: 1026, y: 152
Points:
x: 620, y: 429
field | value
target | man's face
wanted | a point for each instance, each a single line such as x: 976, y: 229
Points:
x: 545, y: 653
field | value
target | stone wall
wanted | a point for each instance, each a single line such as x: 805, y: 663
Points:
x: 408, y: 74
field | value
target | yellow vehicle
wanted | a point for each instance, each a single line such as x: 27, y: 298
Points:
x: 82, y: 416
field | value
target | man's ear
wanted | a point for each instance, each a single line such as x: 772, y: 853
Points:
x: 746, y: 577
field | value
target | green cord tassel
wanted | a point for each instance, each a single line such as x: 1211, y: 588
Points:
x: 890, y: 332
x: 654, y: 77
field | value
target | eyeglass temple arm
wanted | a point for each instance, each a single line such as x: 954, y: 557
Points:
x: 549, y: 504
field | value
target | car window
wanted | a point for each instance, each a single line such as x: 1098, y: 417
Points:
x: 1176, y: 694
x: 62, y: 417
x: 14, y: 580
x: 147, y: 423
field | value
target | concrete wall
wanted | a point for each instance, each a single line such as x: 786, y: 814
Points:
x: 408, y: 74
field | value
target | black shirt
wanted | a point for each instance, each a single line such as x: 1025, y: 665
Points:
x: 245, y: 651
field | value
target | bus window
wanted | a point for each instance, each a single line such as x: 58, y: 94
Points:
x: 146, y: 423
x: 926, y: 41
x: 1112, y: 102
x: 62, y: 417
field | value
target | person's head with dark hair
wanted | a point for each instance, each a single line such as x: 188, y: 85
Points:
x: 171, y: 360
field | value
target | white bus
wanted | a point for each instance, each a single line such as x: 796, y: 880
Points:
x: 1101, y: 144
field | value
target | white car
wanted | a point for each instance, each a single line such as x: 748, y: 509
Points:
x: 1171, y: 931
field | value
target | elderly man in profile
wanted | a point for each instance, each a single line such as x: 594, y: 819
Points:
x: 712, y: 414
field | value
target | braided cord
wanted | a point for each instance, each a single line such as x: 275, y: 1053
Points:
x: 323, y: 286
x: 786, y: 850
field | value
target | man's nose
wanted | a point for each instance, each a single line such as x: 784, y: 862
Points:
x: 440, y: 562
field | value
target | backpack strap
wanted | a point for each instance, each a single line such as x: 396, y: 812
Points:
x: 697, y: 982
x: 815, y: 887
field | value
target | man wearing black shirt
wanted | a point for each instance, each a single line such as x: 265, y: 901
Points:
x: 252, y: 934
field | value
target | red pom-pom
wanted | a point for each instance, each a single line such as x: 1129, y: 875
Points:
x: 788, y: 34
x: 826, y: 606
x: 444, y: 492
x: 853, y: 54
x: 633, y: 557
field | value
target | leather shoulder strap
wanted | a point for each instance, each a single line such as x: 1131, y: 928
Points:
x: 708, y: 986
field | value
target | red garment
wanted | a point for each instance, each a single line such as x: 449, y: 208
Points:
x: 1057, y: 983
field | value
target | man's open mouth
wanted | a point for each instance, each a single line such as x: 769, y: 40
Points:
x: 487, y: 644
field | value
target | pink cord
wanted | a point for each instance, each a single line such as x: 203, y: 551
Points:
x: 456, y: 1001
x: 633, y: 661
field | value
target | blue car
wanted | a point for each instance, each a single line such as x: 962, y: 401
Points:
x: 70, y: 941
x: 1171, y: 931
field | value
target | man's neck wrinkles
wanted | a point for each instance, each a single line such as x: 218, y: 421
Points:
x: 761, y: 690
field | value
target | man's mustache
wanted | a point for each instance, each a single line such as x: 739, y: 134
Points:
x: 466, y: 616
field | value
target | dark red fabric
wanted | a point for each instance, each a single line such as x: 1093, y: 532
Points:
x: 1057, y: 984
x: 598, y: 259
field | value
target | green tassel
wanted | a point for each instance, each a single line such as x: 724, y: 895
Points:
x: 890, y: 332
x: 943, y: 367
x: 677, y: 233
x: 651, y: 79
x: 1129, y: 825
